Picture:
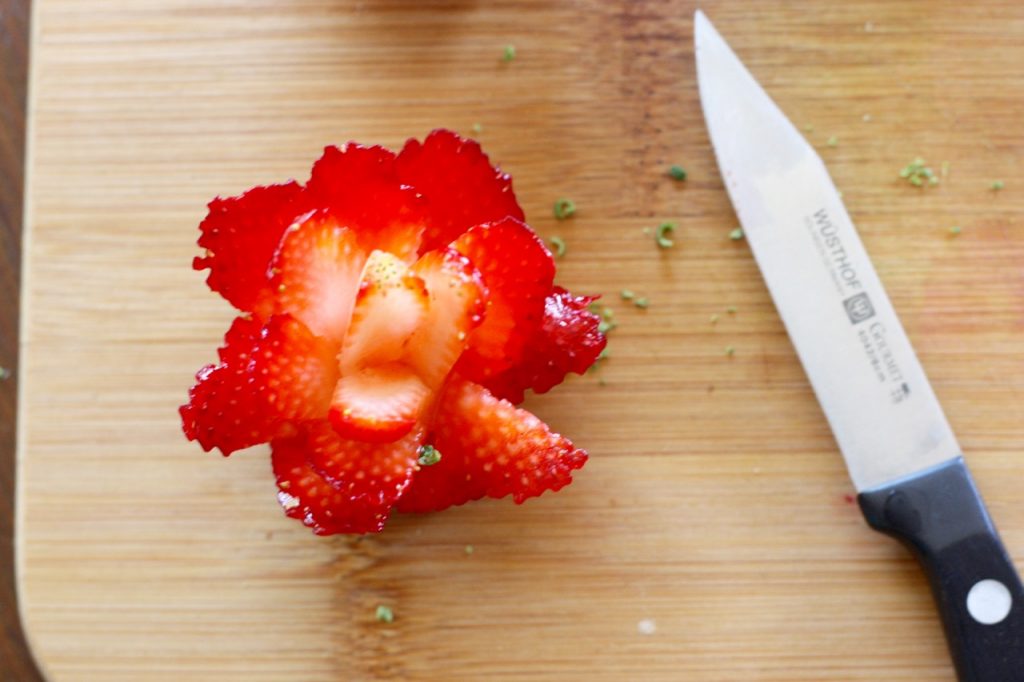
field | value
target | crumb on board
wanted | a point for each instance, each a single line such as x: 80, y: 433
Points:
x: 647, y: 626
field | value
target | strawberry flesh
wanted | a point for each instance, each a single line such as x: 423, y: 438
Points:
x: 359, y: 186
x: 567, y: 340
x: 456, y: 305
x: 379, y: 397
x: 378, y: 404
x: 517, y: 270
x: 268, y: 375
x: 461, y: 187
x: 240, y: 235
x: 489, y: 448
x: 316, y: 274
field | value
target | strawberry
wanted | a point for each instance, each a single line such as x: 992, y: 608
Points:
x: 268, y: 374
x: 371, y: 476
x: 491, y: 448
x: 341, y: 486
x: 240, y: 236
x: 379, y: 397
x: 315, y: 273
x: 517, y: 270
x: 220, y: 405
x: 461, y: 187
x: 456, y: 307
x: 567, y: 340
x: 391, y: 301
x: 359, y: 186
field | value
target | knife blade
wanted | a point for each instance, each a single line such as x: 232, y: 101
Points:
x: 899, y: 449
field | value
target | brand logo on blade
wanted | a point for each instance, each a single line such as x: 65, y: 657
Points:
x: 859, y: 308
x: 834, y: 250
x: 837, y: 244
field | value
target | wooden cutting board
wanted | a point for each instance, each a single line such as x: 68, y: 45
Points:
x: 712, y: 536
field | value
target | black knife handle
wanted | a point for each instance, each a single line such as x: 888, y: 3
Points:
x: 940, y: 516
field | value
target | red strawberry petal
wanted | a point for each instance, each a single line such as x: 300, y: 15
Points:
x: 360, y: 188
x: 489, y: 448
x: 294, y: 371
x: 518, y: 271
x: 339, y: 486
x: 371, y: 476
x: 316, y: 275
x: 389, y: 308
x: 240, y: 235
x: 269, y: 375
x: 456, y: 305
x: 222, y: 410
x: 568, y: 340
x: 461, y: 186
x: 378, y: 404
x: 305, y: 495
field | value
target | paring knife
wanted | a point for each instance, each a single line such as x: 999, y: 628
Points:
x: 901, y: 453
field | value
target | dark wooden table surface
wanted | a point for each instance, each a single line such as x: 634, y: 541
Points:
x: 15, y: 661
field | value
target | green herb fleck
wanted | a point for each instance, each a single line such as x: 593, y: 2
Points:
x: 945, y: 168
x: 832, y: 141
x: 602, y: 381
x: 559, y: 245
x: 736, y: 234
x: 917, y: 173
x: 603, y: 355
x: 428, y: 456
x: 384, y: 614
x: 731, y: 310
x: 641, y: 302
x: 677, y: 173
x: 564, y: 208
x: 477, y: 128
x: 996, y: 185
x: 955, y: 230
x: 4, y: 374
x: 730, y: 351
x: 468, y: 549
x: 809, y: 128
x: 626, y: 295
x: 714, y: 318
x: 510, y: 53
x: 660, y: 235
x: 607, y: 316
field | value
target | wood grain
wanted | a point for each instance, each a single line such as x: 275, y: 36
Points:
x: 715, y: 505
x: 15, y: 659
